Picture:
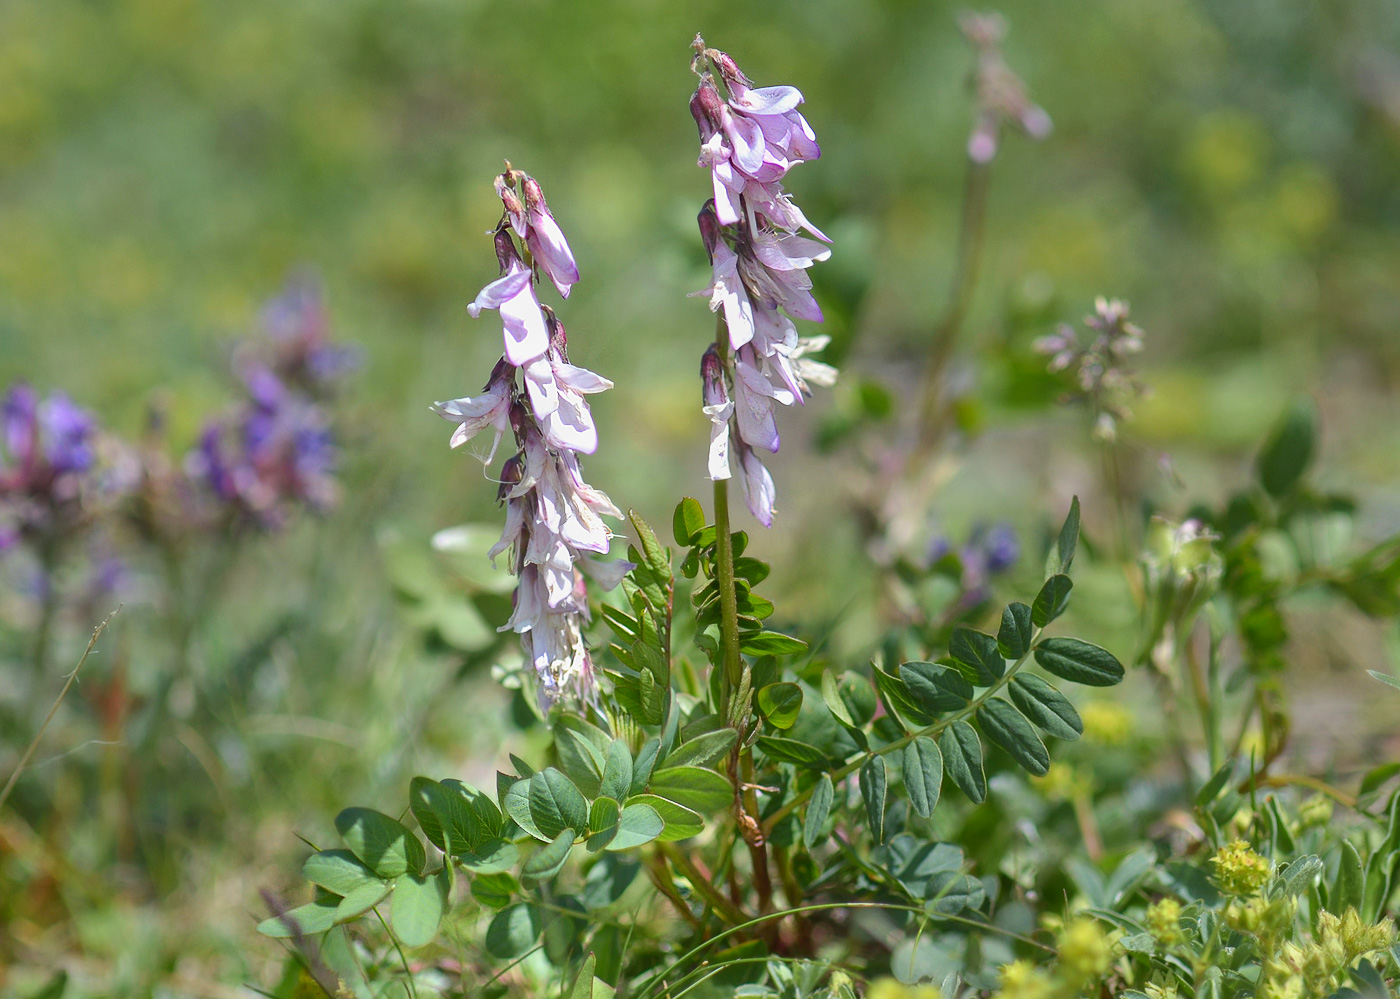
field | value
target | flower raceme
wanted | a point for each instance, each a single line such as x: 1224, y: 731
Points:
x: 554, y: 524
x: 749, y: 140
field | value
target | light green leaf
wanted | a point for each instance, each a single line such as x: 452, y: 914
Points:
x: 361, y: 900
x: 305, y: 920
x: 513, y: 931
x: 700, y: 790
x: 771, y: 643
x: 780, y: 703
x: 418, y: 907
x: 638, y: 825
x: 617, y: 772
x: 556, y: 805
x: 338, y: 871
x: 703, y: 750
x: 385, y: 845
x: 831, y: 697
x: 680, y: 822
x: 923, y: 774
x: 1079, y: 662
x: 1010, y: 730
x: 548, y: 860
x: 1046, y: 706
x: 687, y: 521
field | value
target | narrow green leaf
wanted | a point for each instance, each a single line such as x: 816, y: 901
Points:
x: 638, y: 825
x: 780, y: 703
x: 873, y: 787
x: 962, y: 758
x: 680, y: 822
x: 1289, y: 450
x: 908, y: 710
x: 831, y: 697
x: 1010, y: 730
x: 1046, y: 706
x: 1014, y: 635
x: 617, y: 772
x: 418, y: 907
x: 923, y: 775
x: 1079, y: 662
x: 644, y: 764
x: 792, y: 751
x: 385, y: 845
x: 583, y: 984
x: 658, y: 559
x: 1069, y: 536
x: 771, y: 643
x: 818, y: 808
x: 1385, y: 678
x: 1052, y: 600
x: 704, y: 750
x: 1348, y: 888
x: 687, y: 521
x: 937, y: 688
x: 548, y: 860
x: 305, y: 920
x: 979, y: 654
x: 556, y: 805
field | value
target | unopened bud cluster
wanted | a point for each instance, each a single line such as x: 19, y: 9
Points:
x: 1103, y: 375
x: 1000, y: 94
x: 749, y: 138
x: 553, y: 517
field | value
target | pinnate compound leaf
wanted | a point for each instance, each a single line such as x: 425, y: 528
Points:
x: 1052, y: 600
x: 1010, y: 730
x: 548, y: 860
x: 923, y: 774
x: 1046, y: 706
x: 556, y: 805
x: 962, y: 758
x: 978, y: 655
x: 385, y: 845
x: 1079, y: 662
x: 873, y: 789
x: 418, y: 907
x: 818, y: 808
x: 1017, y: 629
x: 780, y: 703
x: 704, y: 750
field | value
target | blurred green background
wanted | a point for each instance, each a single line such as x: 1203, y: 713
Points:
x: 1231, y: 168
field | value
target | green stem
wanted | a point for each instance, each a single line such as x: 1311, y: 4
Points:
x: 726, y: 909
x: 931, y: 730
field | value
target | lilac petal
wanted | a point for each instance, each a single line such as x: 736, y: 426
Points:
x: 718, y: 464
x: 580, y: 379
x: 526, y: 337
x: 500, y: 291
x: 726, y: 198
x: 759, y: 492
x: 543, y: 389
x: 753, y: 402
x: 571, y: 425
x: 746, y: 138
x: 767, y: 100
x: 551, y: 250
x: 787, y: 253
x: 606, y: 573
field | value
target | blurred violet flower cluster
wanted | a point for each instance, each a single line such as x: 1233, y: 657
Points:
x: 1103, y: 373
x: 554, y: 527
x: 47, y: 460
x: 990, y: 550
x: 275, y: 451
x: 749, y: 138
x: 1000, y: 93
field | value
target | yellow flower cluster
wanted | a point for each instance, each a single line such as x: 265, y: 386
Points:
x: 890, y: 988
x: 1239, y: 870
x: 1311, y: 969
x: 1106, y: 723
x: 1085, y: 953
x: 1164, y: 922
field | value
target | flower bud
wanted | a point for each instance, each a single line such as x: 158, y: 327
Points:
x: 715, y: 392
x: 709, y: 228
x: 706, y: 107
x: 506, y: 253
x: 511, y: 474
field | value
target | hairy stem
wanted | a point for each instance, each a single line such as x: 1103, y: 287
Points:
x: 898, y: 744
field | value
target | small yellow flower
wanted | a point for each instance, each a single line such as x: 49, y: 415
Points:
x: 1316, y: 811
x: 1023, y: 980
x: 887, y: 988
x: 1061, y: 781
x: 1239, y: 870
x: 1106, y: 723
x: 1164, y: 922
x: 1085, y: 949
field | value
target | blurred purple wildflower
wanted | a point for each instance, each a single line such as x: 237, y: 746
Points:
x: 1000, y: 93
x: 988, y: 552
x: 298, y: 327
x: 47, y: 457
x: 1103, y: 374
